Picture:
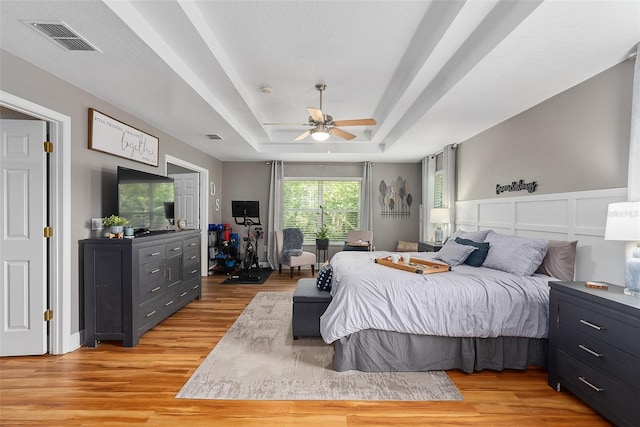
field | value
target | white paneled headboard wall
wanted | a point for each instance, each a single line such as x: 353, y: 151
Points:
x: 577, y: 216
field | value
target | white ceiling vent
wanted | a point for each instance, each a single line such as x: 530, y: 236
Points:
x: 63, y: 35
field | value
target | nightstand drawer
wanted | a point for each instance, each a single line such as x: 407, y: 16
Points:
x: 603, y: 324
x: 600, y: 355
x: 616, y: 400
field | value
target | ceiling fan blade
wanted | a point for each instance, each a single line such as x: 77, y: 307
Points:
x: 316, y: 114
x: 342, y: 134
x: 302, y: 136
x: 355, y: 122
x: 285, y: 124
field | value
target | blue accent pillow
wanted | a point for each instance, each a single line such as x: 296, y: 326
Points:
x: 475, y: 258
x: 323, y: 281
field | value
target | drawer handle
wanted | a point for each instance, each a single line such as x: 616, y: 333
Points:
x: 176, y: 249
x: 591, y: 325
x: 598, y: 389
x: 194, y: 271
x: 168, y: 304
x: 192, y: 244
x: 196, y: 287
x: 155, y: 271
x: 588, y: 350
x: 151, y: 314
x: 194, y: 257
x: 155, y: 289
x: 183, y: 294
x: 155, y: 254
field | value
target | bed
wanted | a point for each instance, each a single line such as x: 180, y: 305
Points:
x: 474, y: 317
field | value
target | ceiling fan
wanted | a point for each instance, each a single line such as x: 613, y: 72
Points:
x: 323, y: 125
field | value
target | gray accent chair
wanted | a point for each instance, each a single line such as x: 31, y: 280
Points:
x: 307, y: 258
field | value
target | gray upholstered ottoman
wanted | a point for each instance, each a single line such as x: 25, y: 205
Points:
x: 308, y: 305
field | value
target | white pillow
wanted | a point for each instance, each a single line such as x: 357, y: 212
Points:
x: 517, y: 255
x: 454, y: 253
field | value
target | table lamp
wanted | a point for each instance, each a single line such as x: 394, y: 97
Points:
x: 439, y: 216
x: 623, y: 223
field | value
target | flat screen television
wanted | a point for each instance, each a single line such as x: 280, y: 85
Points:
x: 248, y: 209
x: 145, y: 199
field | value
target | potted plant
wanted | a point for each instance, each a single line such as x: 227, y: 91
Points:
x: 322, y: 237
x: 115, y: 223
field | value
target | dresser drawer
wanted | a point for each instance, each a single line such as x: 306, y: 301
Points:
x: 600, y: 355
x: 191, y: 245
x: 616, y: 400
x: 603, y: 324
x: 151, y: 279
x: 191, y: 271
x: 151, y: 313
x: 173, y: 249
x: 150, y: 254
x: 191, y: 257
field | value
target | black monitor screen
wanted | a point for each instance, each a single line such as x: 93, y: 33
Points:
x: 242, y: 209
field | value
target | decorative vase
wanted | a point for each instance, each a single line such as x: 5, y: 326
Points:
x: 116, y: 229
x: 128, y: 231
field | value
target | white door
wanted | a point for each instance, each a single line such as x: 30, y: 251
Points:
x: 187, y: 196
x: 23, y: 249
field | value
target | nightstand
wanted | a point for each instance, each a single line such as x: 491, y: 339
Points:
x: 429, y: 246
x: 594, y: 348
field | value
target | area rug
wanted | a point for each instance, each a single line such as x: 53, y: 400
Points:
x: 244, y: 277
x: 257, y: 359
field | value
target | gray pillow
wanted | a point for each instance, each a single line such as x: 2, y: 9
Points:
x: 453, y: 253
x: 517, y: 255
x: 560, y: 260
x: 476, y: 236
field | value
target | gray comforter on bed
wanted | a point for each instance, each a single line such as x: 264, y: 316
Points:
x: 465, y: 302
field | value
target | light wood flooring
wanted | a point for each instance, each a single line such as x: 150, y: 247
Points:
x: 113, y: 385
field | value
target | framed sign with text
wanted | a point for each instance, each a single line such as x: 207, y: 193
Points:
x: 111, y: 136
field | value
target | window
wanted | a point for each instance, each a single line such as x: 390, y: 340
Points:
x: 339, y: 198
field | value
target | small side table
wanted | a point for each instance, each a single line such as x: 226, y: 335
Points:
x: 429, y: 246
x: 325, y: 255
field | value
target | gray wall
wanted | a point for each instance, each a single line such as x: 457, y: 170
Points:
x: 250, y: 181
x: 93, y: 174
x: 575, y: 141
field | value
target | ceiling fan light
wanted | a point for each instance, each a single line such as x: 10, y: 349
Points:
x: 320, y: 133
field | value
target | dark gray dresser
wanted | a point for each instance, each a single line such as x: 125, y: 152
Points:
x: 594, y: 348
x: 131, y: 285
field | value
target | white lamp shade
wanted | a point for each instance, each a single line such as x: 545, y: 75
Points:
x: 623, y: 221
x: 439, y: 216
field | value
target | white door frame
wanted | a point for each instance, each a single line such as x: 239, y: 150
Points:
x: 204, y: 207
x: 61, y: 338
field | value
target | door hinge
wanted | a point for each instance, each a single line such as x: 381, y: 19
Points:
x: 48, y: 315
x: 48, y: 147
x: 48, y: 232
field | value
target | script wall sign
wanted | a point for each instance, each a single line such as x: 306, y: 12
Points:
x: 517, y: 186
x: 111, y: 136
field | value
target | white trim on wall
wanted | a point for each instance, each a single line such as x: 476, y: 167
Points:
x: 61, y: 339
x: 569, y: 216
x: 204, y: 207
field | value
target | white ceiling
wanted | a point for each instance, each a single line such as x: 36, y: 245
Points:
x: 430, y: 72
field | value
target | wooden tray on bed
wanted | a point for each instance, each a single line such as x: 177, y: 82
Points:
x: 415, y: 265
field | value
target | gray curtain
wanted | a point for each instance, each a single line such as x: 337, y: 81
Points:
x: 449, y: 186
x: 275, y: 210
x: 633, y: 191
x: 428, y: 182
x: 366, y: 196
